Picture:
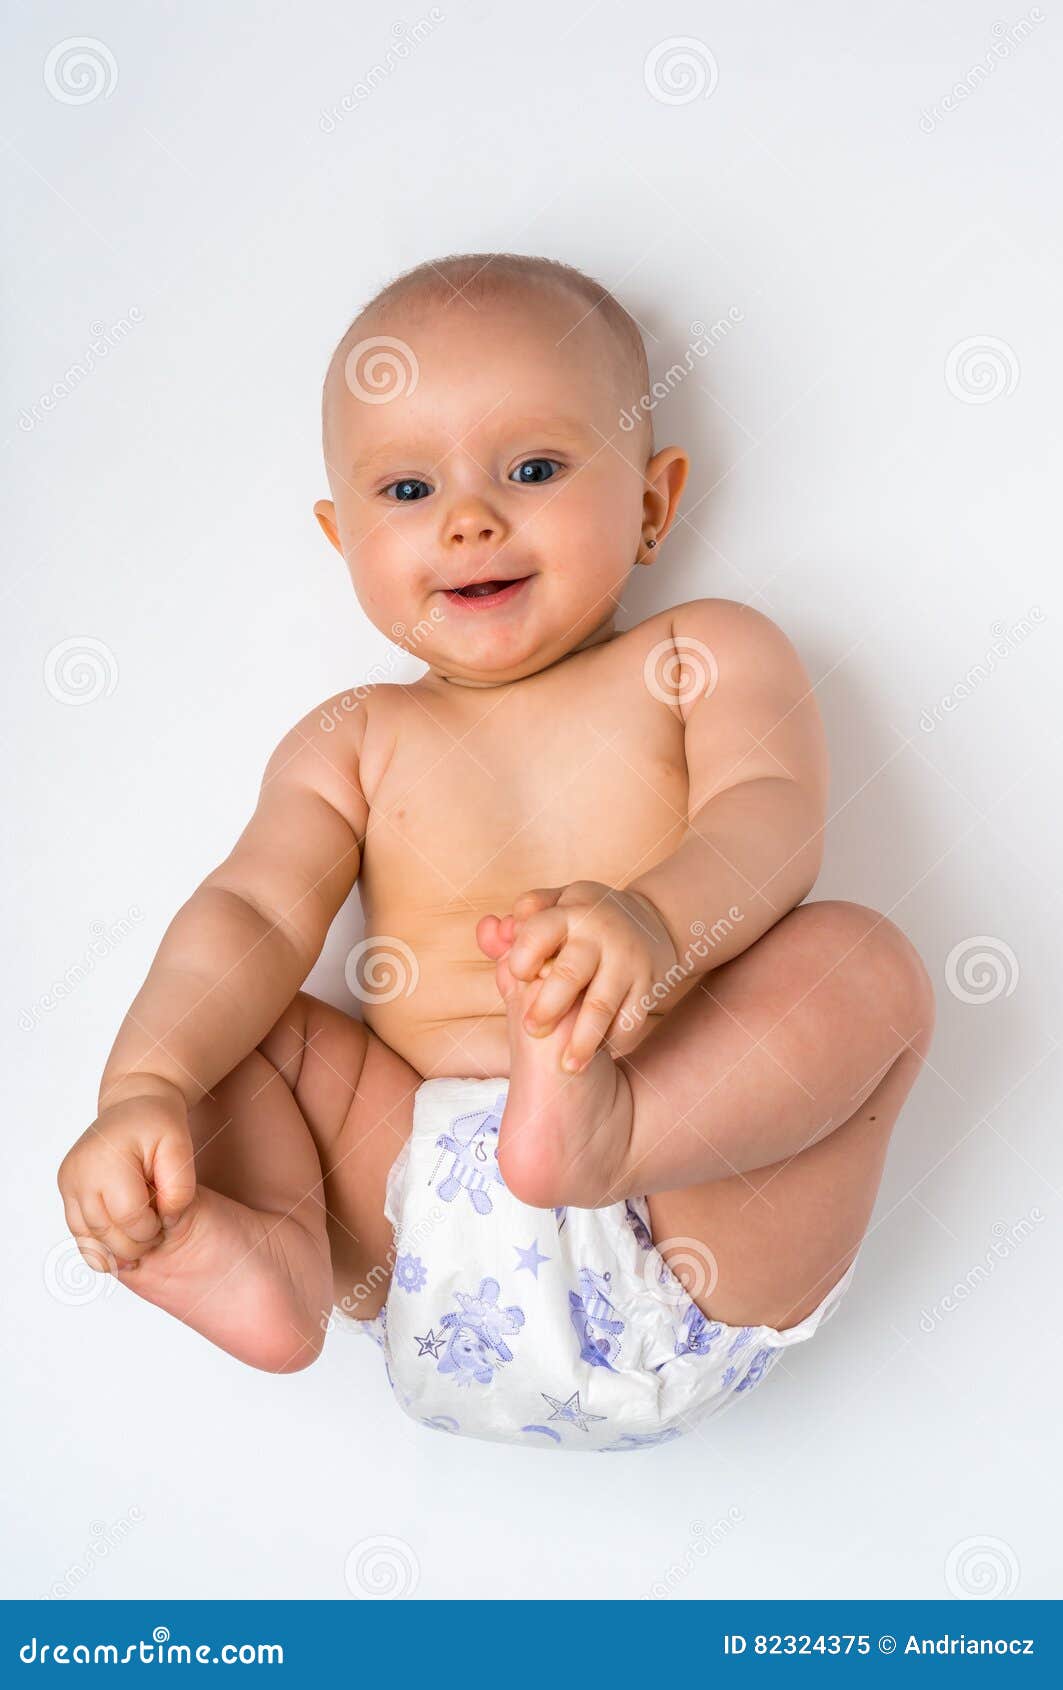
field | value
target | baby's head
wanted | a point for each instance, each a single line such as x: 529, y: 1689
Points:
x: 471, y: 424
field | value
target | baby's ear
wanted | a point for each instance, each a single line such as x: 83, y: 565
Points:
x: 325, y: 511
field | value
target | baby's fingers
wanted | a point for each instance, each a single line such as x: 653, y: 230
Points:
x: 539, y: 898
x: 537, y: 938
x: 570, y: 971
x: 111, y: 1232
x: 174, y: 1173
x: 601, y: 1001
x: 98, y: 1258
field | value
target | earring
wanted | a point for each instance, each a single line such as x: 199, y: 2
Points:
x: 651, y: 543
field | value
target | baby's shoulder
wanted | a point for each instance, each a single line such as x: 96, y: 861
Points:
x: 357, y: 731
x: 724, y: 627
x: 340, y: 729
x: 352, y: 712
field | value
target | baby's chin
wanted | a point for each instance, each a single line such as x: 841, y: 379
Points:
x: 472, y: 670
x: 493, y: 644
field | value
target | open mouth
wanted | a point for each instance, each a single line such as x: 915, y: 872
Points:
x: 485, y: 594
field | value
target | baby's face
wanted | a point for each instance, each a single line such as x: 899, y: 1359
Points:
x: 498, y: 458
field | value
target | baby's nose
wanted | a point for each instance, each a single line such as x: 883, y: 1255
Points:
x: 472, y: 519
x: 473, y: 528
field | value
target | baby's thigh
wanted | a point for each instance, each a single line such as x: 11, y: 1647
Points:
x: 765, y: 1247
x: 356, y: 1096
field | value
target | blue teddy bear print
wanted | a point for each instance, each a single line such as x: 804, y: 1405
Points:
x: 594, y: 1316
x: 475, y: 1342
x: 472, y: 1141
x: 762, y: 1360
x: 696, y: 1334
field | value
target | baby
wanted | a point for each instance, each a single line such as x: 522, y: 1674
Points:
x: 608, y: 1136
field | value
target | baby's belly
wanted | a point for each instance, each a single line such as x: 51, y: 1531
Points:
x: 463, y: 1046
x: 435, y: 1003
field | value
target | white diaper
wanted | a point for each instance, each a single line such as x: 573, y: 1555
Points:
x: 558, y: 1327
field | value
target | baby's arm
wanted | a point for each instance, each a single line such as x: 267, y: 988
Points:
x: 237, y: 952
x: 757, y: 772
x: 230, y: 961
x: 757, y: 781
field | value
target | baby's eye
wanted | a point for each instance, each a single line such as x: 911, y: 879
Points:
x: 407, y: 490
x: 535, y: 469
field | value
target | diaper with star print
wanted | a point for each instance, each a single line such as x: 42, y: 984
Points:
x: 562, y: 1328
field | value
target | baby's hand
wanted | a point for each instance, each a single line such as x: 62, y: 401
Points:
x: 586, y: 937
x: 130, y: 1177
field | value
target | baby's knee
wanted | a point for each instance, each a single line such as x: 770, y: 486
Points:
x: 310, y: 1033
x: 874, y: 956
x: 285, y: 1042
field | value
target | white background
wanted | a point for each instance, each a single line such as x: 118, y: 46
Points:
x: 851, y: 479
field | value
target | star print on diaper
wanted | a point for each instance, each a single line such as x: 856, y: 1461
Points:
x: 530, y: 1258
x: 429, y: 1345
x: 571, y: 1410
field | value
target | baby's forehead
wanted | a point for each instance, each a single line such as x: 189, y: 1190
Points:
x: 519, y: 313
x: 532, y: 346
x: 529, y: 301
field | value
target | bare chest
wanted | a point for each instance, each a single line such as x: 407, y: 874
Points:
x: 578, y: 773
x: 540, y: 787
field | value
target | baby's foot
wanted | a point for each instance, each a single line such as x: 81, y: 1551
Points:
x: 563, y: 1137
x: 255, y: 1284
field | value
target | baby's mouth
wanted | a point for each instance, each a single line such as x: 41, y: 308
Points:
x: 487, y: 593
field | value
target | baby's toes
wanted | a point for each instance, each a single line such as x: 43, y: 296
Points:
x: 505, y: 979
x: 489, y: 936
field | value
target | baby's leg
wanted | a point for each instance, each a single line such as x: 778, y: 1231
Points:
x: 766, y: 1076
x: 765, y: 1247
x: 251, y: 1263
